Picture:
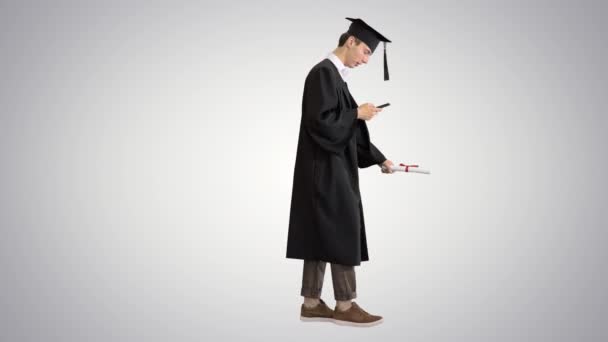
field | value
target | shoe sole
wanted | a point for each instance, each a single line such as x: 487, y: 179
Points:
x: 355, y: 324
x: 316, y: 319
x: 341, y: 322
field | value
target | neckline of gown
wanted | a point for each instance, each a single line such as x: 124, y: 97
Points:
x: 340, y: 79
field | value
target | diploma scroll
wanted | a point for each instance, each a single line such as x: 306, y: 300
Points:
x: 409, y: 168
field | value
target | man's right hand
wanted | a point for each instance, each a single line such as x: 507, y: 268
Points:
x: 367, y: 111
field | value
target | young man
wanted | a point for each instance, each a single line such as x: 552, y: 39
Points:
x: 326, y: 219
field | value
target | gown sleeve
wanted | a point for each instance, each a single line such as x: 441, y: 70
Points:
x: 329, y: 126
x: 367, y: 153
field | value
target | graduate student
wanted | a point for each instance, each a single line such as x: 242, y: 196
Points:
x: 326, y: 222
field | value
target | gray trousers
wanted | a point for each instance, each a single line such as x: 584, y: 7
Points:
x: 343, y: 279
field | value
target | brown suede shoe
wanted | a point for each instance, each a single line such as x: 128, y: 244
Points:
x: 319, y: 313
x: 356, y: 317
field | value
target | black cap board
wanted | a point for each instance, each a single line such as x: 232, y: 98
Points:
x: 369, y: 36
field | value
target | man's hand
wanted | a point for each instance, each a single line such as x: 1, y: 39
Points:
x: 367, y: 111
x: 386, y: 166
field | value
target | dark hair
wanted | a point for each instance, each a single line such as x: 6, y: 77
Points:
x: 344, y: 37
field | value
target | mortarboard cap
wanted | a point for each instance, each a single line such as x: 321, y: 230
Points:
x: 369, y: 36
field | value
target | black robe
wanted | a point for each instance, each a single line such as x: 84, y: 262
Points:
x: 326, y: 218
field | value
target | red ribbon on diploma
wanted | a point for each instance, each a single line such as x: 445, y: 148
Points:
x: 407, y: 166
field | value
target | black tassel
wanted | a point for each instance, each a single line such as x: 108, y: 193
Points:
x: 385, y: 64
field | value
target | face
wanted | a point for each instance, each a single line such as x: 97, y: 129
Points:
x: 356, y: 54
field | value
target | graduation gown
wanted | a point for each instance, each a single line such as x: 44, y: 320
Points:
x: 326, y: 216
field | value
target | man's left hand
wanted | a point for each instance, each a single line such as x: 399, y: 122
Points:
x: 386, y: 166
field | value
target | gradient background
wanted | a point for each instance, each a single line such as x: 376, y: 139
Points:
x: 147, y: 152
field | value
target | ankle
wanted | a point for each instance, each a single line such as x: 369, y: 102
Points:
x: 343, y: 305
x: 311, y: 302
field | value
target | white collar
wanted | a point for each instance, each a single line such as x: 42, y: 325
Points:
x: 342, y: 69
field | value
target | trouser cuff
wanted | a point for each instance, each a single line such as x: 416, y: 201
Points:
x: 310, y: 292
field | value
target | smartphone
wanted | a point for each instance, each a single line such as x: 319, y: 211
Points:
x: 383, y: 105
